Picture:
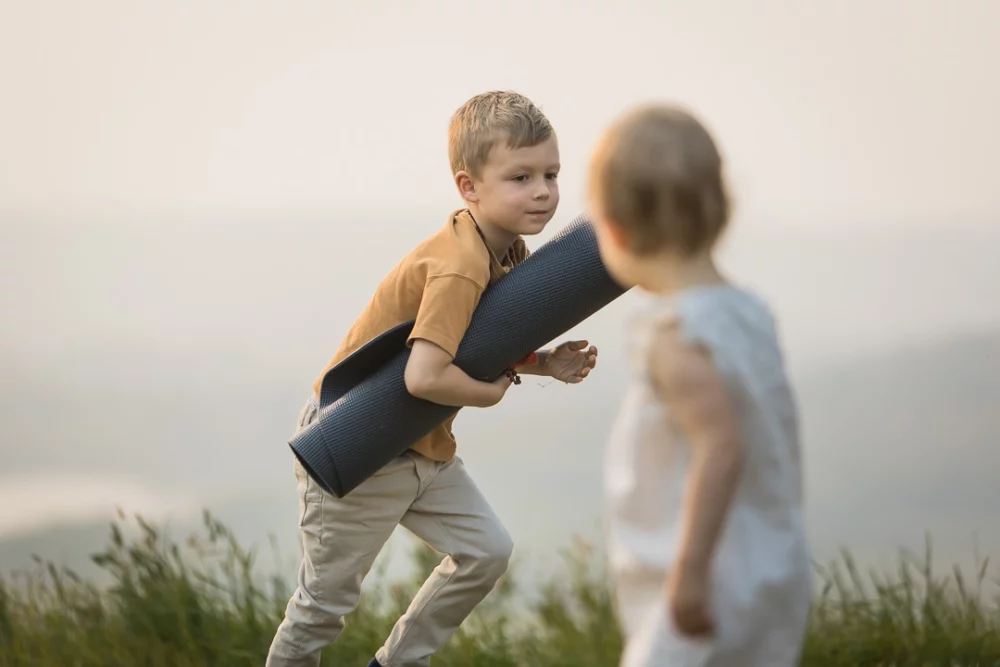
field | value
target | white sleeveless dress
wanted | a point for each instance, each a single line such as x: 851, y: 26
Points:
x: 762, y: 570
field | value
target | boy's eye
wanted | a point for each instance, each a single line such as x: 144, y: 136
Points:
x: 552, y: 176
x: 520, y: 178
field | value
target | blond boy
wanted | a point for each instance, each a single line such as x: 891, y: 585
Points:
x: 505, y: 163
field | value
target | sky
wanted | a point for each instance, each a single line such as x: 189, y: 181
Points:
x: 830, y: 112
x: 196, y: 199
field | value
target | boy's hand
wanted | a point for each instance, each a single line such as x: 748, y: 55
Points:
x: 571, y: 361
x: 500, y: 386
x: 688, y: 601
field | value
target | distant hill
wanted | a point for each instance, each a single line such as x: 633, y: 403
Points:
x: 894, y: 445
x: 907, y: 442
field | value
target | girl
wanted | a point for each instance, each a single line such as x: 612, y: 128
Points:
x: 707, y: 542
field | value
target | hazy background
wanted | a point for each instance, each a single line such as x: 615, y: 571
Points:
x: 196, y: 199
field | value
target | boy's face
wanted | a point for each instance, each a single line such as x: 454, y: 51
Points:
x: 517, y: 189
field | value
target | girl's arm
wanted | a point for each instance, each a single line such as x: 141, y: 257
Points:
x: 689, y: 383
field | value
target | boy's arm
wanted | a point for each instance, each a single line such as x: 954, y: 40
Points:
x: 431, y: 375
x: 445, y: 311
x: 688, y: 381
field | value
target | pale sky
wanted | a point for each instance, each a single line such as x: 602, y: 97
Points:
x: 831, y: 112
x: 193, y: 193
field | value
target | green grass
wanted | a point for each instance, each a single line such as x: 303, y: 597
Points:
x: 200, y: 603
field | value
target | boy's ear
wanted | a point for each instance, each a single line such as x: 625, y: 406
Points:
x: 466, y: 186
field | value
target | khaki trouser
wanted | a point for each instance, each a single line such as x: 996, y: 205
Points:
x: 440, y: 504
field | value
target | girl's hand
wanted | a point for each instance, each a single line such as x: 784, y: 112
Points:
x: 688, y: 602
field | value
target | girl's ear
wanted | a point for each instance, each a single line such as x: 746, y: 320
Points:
x: 617, y: 235
x: 613, y: 232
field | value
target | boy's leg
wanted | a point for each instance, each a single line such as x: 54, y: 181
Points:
x: 341, y: 538
x: 453, y: 517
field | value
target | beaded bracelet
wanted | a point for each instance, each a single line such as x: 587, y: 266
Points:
x: 530, y: 360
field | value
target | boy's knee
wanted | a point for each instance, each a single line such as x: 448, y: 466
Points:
x: 315, y: 618
x: 494, y: 558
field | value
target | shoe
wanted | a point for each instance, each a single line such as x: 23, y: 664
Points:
x: 374, y: 663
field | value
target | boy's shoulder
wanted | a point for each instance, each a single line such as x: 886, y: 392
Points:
x: 456, y: 248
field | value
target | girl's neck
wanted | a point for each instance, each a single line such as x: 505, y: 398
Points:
x: 668, y: 275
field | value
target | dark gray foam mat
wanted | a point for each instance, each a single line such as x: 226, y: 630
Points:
x: 367, y: 417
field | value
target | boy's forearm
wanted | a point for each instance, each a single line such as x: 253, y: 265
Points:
x: 452, y: 386
x: 715, y: 476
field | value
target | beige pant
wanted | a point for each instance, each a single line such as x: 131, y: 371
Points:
x: 437, y: 502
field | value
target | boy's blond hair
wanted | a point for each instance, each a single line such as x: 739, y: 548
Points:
x: 657, y: 176
x: 489, y: 118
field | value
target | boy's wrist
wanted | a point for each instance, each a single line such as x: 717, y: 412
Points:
x: 543, y: 362
x: 535, y: 363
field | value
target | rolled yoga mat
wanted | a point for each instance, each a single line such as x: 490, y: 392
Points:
x: 367, y: 417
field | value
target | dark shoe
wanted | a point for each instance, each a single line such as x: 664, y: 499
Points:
x: 374, y: 663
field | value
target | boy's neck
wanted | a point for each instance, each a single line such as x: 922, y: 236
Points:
x: 498, y: 240
x: 668, y: 275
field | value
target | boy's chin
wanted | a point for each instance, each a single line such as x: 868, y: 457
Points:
x: 531, y: 225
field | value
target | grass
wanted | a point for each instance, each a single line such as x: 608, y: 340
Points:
x: 200, y: 603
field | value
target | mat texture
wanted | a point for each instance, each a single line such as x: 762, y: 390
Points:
x: 367, y: 417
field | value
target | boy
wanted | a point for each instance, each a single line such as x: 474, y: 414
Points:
x: 707, y: 538
x: 505, y: 162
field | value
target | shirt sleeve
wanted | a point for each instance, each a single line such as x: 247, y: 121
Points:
x: 445, y: 311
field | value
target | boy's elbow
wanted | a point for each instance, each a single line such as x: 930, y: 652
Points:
x: 425, y: 370
x: 418, y: 384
